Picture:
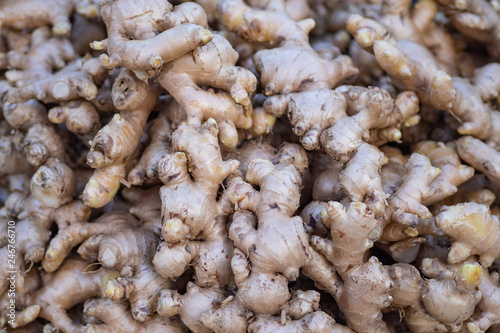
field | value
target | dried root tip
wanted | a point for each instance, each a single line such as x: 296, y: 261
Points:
x: 469, y: 275
x: 96, y: 158
x: 118, y: 289
x: 169, y: 303
x: 53, y: 185
x: 26, y: 316
x: 34, y: 254
x: 174, y: 230
x: 36, y: 154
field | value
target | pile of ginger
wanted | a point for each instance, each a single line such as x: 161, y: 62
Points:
x: 261, y: 166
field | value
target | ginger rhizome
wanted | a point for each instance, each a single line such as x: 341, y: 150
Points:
x: 145, y: 45
x: 159, y: 146
x: 119, y: 241
x: 55, y: 298
x: 317, y: 75
x: 115, y: 317
x: 414, y: 68
x: 193, y: 219
x: 260, y: 220
x: 395, y: 102
x: 30, y: 14
x: 195, y: 305
x: 475, y: 232
x: 212, y: 65
x: 114, y: 144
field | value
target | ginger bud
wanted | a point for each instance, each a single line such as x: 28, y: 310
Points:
x: 174, y: 230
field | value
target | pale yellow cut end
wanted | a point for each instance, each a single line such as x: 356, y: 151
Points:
x: 114, y: 291
x: 411, y: 232
x: 105, y: 60
x: 97, y: 45
x: 181, y: 157
x: 206, y: 36
x: 90, y: 91
x: 156, y: 61
x: 470, y: 274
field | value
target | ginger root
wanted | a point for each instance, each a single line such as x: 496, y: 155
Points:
x: 475, y: 231
x: 118, y: 140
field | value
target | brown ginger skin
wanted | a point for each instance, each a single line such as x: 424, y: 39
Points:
x: 126, y: 246
x: 268, y: 265
x: 139, y: 282
x: 365, y: 287
x: 12, y: 161
x: 292, y: 54
x: 70, y: 82
x: 406, y: 203
x: 481, y: 156
x: 194, y: 306
x: 488, y: 305
x: 416, y: 22
x: 415, y: 69
x: 292, y: 49
x: 370, y: 110
x: 461, y: 283
x: 30, y: 14
x: 402, y: 111
x: 301, y: 314
x: 79, y: 116
x: 54, y: 184
x: 118, y: 140
x: 116, y: 317
x: 212, y: 65
x: 144, y: 45
x: 476, y: 19
x: 360, y: 180
x: 310, y: 112
x: 76, y: 233
x: 193, y: 220
x: 57, y: 297
x: 146, y: 168
x: 47, y: 53
x: 394, y: 170
x: 453, y: 173
x: 35, y: 136
x: 475, y: 232
x: 355, y: 224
